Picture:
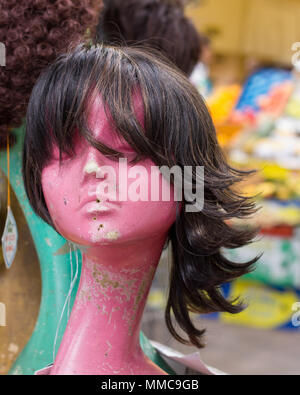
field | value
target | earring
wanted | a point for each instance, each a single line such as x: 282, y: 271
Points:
x: 10, y: 235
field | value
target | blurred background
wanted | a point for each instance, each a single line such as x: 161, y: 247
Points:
x: 249, y: 74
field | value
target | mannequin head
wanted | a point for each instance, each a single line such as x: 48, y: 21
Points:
x: 98, y: 104
x: 34, y: 33
x: 159, y: 24
x: 83, y: 190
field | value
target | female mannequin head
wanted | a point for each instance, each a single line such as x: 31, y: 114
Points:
x: 83, y: 190
x: 98, y: 104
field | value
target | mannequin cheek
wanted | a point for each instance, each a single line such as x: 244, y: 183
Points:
x: 150, y: 218
x: 54, y: 190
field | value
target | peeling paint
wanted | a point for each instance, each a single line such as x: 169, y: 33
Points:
x: 49, y: 242
x: 97, y: 207
x: 93, y: 167
x: 143, y: 288
x: 13, y: 348
x: 129, y: 290
x: 112, y: 235
x: 109, y: 348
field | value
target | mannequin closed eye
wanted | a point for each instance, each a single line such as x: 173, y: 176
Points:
x: 57, y: 155
x: 126, y: 150
x: 115, y: 141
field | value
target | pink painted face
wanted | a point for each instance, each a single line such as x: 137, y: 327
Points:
x: 94, y: 200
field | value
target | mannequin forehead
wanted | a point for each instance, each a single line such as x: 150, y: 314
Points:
x: 100, y: 120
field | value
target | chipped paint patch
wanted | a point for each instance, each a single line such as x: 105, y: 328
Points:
x: 126, y: 291
x: 95, y: 235
x: 97, y: 207
x: 142, y: 291
x: 13, y: 348
x: 112, y: 235
x: 49, y: 242
x: 111, y: 281
x: 85, y: 294
x: 91, y: 167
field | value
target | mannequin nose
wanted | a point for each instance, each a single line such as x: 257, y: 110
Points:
x: 92, y: 166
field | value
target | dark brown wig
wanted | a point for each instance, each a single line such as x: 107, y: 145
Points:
x: 177, y: 130
x: 159, y: 24
x: 34, y: 33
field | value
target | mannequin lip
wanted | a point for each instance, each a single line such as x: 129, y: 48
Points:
x: 94, y: 207
x: 94, y: 204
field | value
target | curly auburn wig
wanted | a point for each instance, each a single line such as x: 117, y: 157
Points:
x: 34, y: 33
x: 159, y: 24
x: 177, y: 130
